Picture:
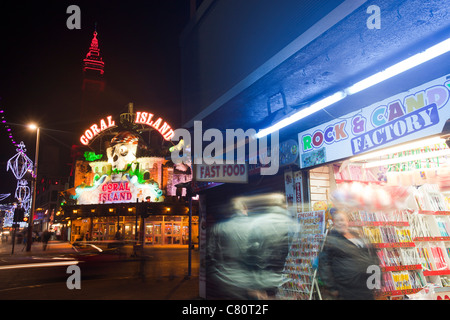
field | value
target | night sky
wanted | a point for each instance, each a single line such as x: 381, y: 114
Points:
x: 41, y: 65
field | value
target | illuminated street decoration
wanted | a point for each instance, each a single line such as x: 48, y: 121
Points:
x: 7, y: 127
x: 20, y: 164
x: 8, y: 219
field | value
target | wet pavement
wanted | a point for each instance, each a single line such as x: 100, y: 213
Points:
x: 153, y: 273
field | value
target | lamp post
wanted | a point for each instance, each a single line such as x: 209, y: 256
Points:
x: 34, y: 178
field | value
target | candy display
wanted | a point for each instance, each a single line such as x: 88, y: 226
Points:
x: 369, y: 196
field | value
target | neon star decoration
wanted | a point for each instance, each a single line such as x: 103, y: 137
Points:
x: 20, y: 163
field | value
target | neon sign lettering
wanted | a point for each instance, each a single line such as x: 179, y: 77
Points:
x: 146, y: 118
x: 95, y: 129
x: 115, y: 192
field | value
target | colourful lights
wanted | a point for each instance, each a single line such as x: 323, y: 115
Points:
x: 146, y: 118
x: 7, y: 128
x: 95, y: 130
x: 93, y: 60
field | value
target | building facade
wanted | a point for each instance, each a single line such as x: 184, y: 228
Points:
x: 290, y: 68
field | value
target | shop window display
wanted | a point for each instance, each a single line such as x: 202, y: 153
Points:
x: 401, y: 206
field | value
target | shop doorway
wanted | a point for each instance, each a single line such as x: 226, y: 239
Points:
x: 153, y: 233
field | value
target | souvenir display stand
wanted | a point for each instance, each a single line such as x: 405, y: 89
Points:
x: 306, y: 243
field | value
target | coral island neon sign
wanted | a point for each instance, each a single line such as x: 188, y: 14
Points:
x: 144, y: 118
x: 115, y: 191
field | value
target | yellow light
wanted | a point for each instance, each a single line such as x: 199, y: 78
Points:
x: 168, y: 209
x: 130, y: 209
x: 75, y: 211
x: 32, y: 126
x: 92, y: 210
x: 111, y: 210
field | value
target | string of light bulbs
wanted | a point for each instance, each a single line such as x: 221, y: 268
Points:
x: 7, y: 128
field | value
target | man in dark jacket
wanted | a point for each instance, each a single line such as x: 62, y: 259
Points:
x: 344, y: 262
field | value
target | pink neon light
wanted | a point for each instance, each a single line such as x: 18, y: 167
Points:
x: 93, y: 60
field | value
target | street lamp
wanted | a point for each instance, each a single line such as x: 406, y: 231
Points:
x: 34, y: 179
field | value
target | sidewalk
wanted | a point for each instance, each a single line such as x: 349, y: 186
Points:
x: 64, y: 247
x: 54, y: 248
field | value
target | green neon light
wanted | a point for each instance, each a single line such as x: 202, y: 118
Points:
x: 91, y: 156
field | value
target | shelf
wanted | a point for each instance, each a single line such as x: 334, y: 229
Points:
x: 359, y: 181
x: 402, y: 268
x: 394, y: 245
x: 434, y: 213
x: 378, y: 223
x: 398, y: 292
x: 436, y: 272
x: 424, y: 239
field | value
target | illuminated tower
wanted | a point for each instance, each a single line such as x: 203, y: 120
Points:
x: 93, y: 82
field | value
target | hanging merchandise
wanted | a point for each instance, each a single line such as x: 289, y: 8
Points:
x: 305, y: 246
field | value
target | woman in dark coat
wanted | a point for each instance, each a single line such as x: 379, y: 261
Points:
x: 344, y: 261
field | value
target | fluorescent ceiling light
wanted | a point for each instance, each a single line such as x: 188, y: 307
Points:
x: 409, y: 63
x: 400, y: 67
x: 319, y: 105
x: 400, y: 148
x: 426, y: 155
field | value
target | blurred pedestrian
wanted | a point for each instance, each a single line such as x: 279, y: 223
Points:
x: 247, y: 252
x: 45, y: 238
x: 344, y: 261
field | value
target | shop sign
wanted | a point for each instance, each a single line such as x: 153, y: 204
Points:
x: 126, y: 190
x: 144, y: 118
x: 226, y: 173
x: 96, y: 129
x: 407, y: 116
x: 115, y: 192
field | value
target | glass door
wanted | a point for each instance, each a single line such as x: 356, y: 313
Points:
x: 177, y: 233
x: 168, y: 233
x: 157, y: 233
x: 149, y: 237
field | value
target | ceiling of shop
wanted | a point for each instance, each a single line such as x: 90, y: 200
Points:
x: 343, y: 55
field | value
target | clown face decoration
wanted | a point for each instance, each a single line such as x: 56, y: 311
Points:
x: 122, y: 152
